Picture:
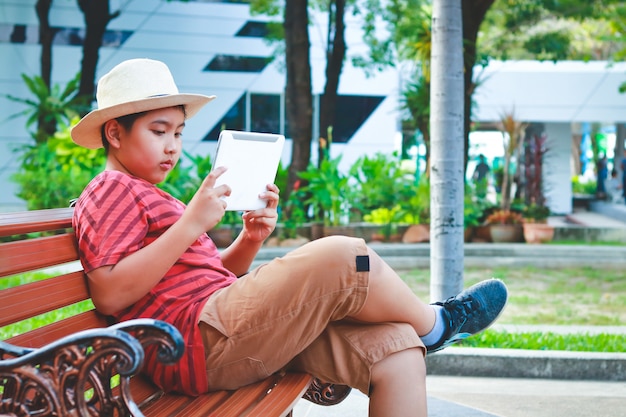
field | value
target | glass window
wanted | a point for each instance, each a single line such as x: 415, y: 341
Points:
x: 237, y: 63
x: 351, y: 113
x: 265, y: 113
x: 235, y: 119
x: 62, y: 35
x: 253, y: 29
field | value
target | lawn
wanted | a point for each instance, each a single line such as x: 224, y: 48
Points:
x: 576, y: 296
x: 571, y: 297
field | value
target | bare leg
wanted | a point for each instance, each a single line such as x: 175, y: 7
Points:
x: 398, y: 385
x: 390, y: 299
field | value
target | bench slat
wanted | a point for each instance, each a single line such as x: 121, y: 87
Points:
x: 32, y: 254
x: 16, y: 223
x: 40, y: 297
x: 283, y: 396
x: 259, y: 399
x: 54, y: 331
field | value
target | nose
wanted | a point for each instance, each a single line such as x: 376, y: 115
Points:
x: 172, y: 145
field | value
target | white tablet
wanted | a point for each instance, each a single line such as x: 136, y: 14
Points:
x: 252, y: 160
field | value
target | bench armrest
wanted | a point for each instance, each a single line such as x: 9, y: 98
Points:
x: 72, y: 376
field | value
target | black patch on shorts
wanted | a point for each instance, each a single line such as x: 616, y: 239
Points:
x: 362, y: 263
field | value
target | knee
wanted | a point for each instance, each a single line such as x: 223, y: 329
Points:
x: 408, y: 365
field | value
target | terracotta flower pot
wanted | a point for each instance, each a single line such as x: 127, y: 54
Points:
x: 506, y: 233
x: 538, y: 232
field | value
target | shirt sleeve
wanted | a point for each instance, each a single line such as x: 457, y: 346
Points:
x: 112, y: 221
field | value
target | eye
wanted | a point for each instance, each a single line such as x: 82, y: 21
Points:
x: 178, y: 134
x: 158, y: 132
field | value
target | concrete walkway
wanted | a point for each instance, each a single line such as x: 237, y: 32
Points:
x: 470, y: 382
x: 503, y: 397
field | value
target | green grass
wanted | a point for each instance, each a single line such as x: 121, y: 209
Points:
x: 548, y: 341
x: 570, y: 296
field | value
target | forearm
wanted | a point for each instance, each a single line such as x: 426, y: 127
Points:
x: 238, y: 257
x: 115, y: 287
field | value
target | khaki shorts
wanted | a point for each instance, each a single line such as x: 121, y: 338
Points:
x: 294, y: 313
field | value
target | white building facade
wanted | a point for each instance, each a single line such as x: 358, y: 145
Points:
x: 218, y: 48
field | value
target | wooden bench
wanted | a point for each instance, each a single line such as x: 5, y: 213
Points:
x: 82, y: 365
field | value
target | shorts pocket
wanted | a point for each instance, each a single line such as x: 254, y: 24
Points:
x: 236, y: 374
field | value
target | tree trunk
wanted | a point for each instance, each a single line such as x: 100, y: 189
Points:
x: 97, y: 16
x: 447, y: 150
x: 45, y: 128
x: 473, y: 15
x: 46, y: 36
x: 298, y: 96
x: 335, y: 54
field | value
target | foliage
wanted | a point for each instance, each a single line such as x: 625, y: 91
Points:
x: 415, y: 102
x: 536, y: 29
x: 474, y: 207
x: 512, y: 130
x: 50, y: 106
x: 55, y: 172
x: 416, y: 209
x: 292, y: 214
x: 326, y: 191
x: 583, y: 187
x: 389, y: 219
x: 504, y: 217
x: 379, y: 181
x: 535, y: 213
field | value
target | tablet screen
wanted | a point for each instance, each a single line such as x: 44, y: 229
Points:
x: 252, y: 160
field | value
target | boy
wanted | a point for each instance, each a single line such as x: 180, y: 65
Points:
x: 331, y: 308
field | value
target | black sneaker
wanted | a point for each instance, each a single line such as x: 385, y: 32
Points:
x: 472, y: 311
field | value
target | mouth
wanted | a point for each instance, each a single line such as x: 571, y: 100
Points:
x: 166, y: 165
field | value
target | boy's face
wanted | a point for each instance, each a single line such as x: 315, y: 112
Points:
x: 151, y: 148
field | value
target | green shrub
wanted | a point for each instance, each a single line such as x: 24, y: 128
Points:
x: 55, y: 172
x: 583, y: 187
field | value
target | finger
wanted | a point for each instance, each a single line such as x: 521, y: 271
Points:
x: 209, y: 180
x: 259, y: 213
x: 271, y: 198
x: 273, y: 187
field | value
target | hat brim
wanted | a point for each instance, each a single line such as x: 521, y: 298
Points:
x: 87, y: 132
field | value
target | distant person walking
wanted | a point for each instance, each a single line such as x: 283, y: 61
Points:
x: 480, y: 176
x: 602, y: 172
x: 623, y: 166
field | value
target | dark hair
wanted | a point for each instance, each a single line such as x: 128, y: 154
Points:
x: 127, y: 121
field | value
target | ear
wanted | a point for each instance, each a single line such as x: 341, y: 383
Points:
x: 112, y: 131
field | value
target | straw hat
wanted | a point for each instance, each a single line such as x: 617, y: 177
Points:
x: 134, y: 86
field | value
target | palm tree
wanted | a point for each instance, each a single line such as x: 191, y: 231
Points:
x: 447, y: 150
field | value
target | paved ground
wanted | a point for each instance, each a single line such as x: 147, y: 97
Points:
x: 502, y: 397
x: 468, y: 396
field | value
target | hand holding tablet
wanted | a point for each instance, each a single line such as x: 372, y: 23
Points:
x: 252, y: 160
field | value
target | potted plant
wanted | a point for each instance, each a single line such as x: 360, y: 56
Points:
x: 388, y: 220
x: 416, y: 212
x: 475, y: 209
x: 536, y: 227
x: 505, y: 226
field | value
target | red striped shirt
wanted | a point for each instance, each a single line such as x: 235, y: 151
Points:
x: 118, y: 214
